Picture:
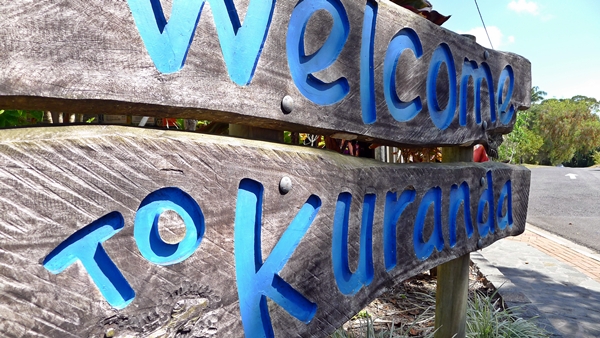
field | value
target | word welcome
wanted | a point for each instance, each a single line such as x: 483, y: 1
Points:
x: 168, y: 44
x: 258, y: 279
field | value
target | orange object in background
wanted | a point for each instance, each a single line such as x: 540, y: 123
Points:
x: 479, y: 154
x: 167, y: 122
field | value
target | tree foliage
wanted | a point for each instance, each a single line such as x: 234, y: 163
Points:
x: 554, y: 131
x: 523, y: 143
x: 568, y: 126
x: 14, y: 118
x: 537, y: 95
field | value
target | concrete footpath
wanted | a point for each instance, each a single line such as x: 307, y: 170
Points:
x: 548, y: 277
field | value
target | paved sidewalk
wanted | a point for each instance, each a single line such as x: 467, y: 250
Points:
x: 581, y: 258
x: 549, y: 278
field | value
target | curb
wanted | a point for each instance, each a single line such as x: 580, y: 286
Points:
x: 511, y: 295
x: 564, y: 242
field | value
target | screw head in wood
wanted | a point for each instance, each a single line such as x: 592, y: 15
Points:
x: 482, y: 181
x: 110, y: 332
x: 484, y: 125
x: 486, y: 55
x: 287, y: 104
x: 285, y: 185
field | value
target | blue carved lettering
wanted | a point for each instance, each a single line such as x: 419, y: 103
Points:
x: 168, y: 43
x: 507, y: 110
x: 483, y: 72
x: 405, y: 39
x: 424, y: 249
x: 459, y: 195
x: 507, y: 219
x: 145, y: 230
x: 350, y: 283
x: 441, y: 117
x: 394, y: 207
x: 367, y: 76
x: 256, y: 279
x: 85, y: 245
x: 487, y: 199
x: 302, y: 66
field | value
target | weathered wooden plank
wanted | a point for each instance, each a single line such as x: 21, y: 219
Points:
x: 89, y: 57
x: 54, y: 182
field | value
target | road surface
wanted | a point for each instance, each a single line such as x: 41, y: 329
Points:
x: 566, y: 202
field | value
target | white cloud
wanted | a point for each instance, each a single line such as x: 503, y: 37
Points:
x: 524, y: 6
x: 498, y: 39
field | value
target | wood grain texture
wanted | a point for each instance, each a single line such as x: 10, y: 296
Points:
x: 54, y: 181
x: 87, y: 57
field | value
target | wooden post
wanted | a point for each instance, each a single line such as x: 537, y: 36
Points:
x: 453, y: 276
x: 256, y: 133
x: 56, y: 117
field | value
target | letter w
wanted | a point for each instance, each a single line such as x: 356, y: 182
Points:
x: 168, y: 42
x: 256, y: 279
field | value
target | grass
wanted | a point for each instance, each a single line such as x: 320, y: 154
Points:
x: 367, y: 330
x: 367, y: 327
x: 485, y: 319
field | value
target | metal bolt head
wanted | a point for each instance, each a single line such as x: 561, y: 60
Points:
x: 482, y: 181
x: 479, y: 244
x: 285, y: 185
x: 110, y: 332
x: 486, y: 55
x: 287, y: 104
x: 484, y: 125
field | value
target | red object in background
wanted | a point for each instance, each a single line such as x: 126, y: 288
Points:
x: 167, y: 122
x: 479, y: 154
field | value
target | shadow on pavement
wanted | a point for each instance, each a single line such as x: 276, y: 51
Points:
x: 570, y: 303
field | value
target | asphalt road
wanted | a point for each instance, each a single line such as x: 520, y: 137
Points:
x: 567, y: 205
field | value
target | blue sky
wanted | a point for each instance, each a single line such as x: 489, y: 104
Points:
x: 561, y: 38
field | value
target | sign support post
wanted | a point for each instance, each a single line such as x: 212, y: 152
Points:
x: 255, y: 133
x: 453, y: 276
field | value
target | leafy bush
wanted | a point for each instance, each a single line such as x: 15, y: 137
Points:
x: 14, y: 118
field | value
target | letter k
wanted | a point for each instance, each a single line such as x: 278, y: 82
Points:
x: 256, y: 279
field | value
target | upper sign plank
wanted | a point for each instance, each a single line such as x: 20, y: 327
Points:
x: 370, y: 69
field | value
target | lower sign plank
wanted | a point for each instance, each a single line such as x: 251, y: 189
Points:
x: 135, y: 232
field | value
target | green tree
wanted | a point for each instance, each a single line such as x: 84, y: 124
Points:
x: 524, y: 142
x: 13, y: 118
x: 537, y: 95
x: 554, y: 131
x: 592, y: 103
x: 567, y: 126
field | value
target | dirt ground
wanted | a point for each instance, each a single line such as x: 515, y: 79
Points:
x: 410, y: 306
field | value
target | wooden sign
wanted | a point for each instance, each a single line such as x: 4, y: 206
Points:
x: 132, y: 232
x: 369, y: 70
